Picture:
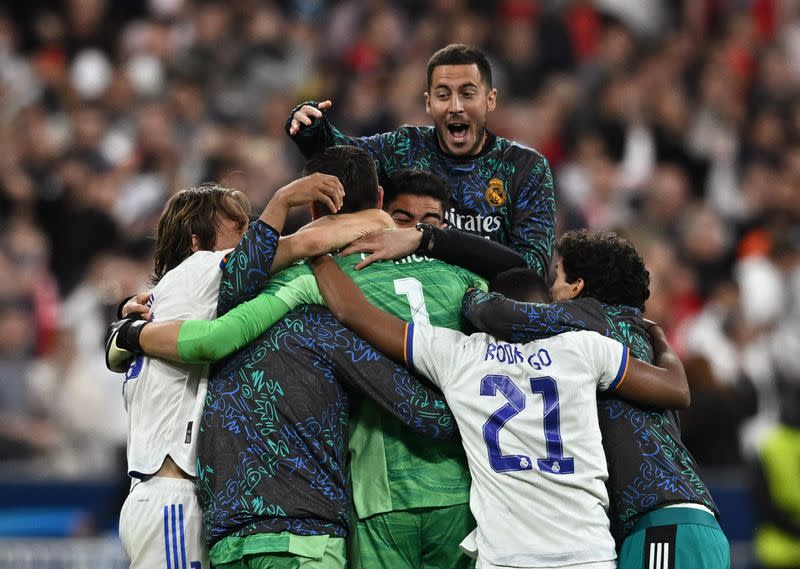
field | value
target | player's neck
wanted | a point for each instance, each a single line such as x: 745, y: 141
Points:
x: 480, y: 147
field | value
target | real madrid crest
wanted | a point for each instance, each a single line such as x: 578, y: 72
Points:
x: 496, y: 192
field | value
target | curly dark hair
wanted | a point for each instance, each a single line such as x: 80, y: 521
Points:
x: 612, y: 270
x: 416, y: 183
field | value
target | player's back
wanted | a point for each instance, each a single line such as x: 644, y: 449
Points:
x: 414, y: 288
x: 527, y: 414
x: 164, y: 400
x: 393, y: 468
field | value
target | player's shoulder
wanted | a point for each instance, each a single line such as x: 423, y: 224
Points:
x: 512, y: 148
x: 574, y: 340
x: 586, y: 312
x: 293, y: 271
x: 412, y: 130
x: 468, y: 277
x: 205, y: 258
x: 434, y: 268
x: 441, y: 335
x: 415, y: 134
x: 190, y: 289
x: 196, y: 266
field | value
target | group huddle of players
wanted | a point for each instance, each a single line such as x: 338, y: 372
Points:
x: 275, y: 413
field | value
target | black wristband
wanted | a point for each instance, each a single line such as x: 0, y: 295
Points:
x: 129, y: 333
x: 288, y: 124
x: 427, y: 233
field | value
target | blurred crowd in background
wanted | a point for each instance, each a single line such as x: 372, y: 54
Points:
x: 674, y: 123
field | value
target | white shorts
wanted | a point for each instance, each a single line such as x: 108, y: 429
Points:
x: 161, y: 525
x: 483, y: 564
x: 470, y: 547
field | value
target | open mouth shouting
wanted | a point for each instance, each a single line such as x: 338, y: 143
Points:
x: 459, y: 134
x: 458, y: 131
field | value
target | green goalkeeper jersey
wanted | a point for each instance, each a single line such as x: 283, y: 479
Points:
x: 392, y: 468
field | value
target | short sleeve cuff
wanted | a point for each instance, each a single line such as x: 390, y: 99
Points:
x: 264, y: 227
x: 408, y: 346
x: 623, y: 369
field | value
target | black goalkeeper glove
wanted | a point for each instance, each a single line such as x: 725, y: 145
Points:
x: 122, y: 343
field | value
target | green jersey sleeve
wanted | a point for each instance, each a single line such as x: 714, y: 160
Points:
x: 295, y: 285
x: 415, y: 289
x: 211, y: 340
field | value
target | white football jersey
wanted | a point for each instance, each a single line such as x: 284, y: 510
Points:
x: 527, y: 414
x: 165, y: 400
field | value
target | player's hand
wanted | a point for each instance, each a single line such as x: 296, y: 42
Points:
x: 137, y: 306
x: 657, y: 336
x: 323, y: 188
x: 306, y: 115
x: 122, y: 343
x: 652, y: 325
x: 385, y: 245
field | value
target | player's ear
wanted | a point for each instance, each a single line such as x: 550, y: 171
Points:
x: 491, y: 100
x: 195, y: 243
x: 576, y: 287
x: 427, y: 102
x: 380, y: 197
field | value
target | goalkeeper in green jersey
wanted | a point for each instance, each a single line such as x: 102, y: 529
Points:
x: 411, y: 496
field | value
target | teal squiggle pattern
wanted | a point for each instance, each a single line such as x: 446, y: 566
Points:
x: 272, y: 451
x: 525, y: 221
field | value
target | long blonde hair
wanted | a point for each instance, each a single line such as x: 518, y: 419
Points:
x: 194, y: 211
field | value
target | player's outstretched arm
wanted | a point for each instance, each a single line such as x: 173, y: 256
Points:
x: 662, y: 385
x: 481, y: 256
x: 382, y: 246
x: 352, y: 308
x: 510, y: 320
x: 328, y: 234
x: 310, y: 130
x: 194, y: 341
